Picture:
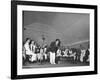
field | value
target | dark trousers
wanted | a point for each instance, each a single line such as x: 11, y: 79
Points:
x: 57, y: 59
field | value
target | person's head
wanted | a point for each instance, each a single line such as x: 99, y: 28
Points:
x: 81, y: 46
x: 57, y: 42
x: 27, y: 40
x: 32, y: 42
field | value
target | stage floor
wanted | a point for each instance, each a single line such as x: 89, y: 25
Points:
x: 62, y: 63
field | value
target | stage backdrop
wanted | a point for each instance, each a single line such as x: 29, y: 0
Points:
x: 70, y: 28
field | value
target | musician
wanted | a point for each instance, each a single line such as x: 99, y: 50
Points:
x: 78, y: 54
x: 53, y: 49
x: 37, y: 51
x: 86, y: 57
x: 83, y: 51
x: 27, y: 47
x: 65, y: 52
x: 45, y: 53
x: 41, y: 55
x: 28, y: 52
x: 58, y: 55
x: 33, y: 48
